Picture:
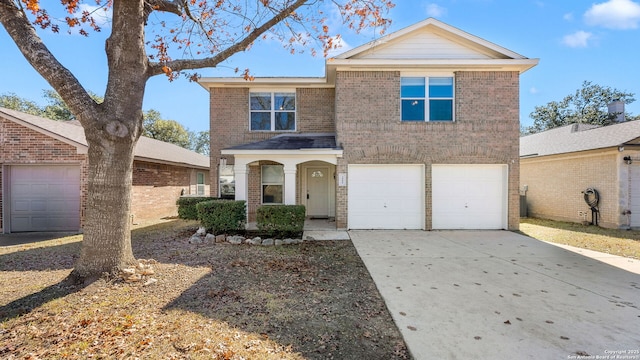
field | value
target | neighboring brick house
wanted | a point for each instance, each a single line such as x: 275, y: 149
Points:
x: 558, y: 165
x: 416, y: 130
x: 43, y: 175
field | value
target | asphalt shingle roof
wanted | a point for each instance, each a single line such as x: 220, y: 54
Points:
x: 292, y: 142
x: 147, y: 148
x: 579, y: 137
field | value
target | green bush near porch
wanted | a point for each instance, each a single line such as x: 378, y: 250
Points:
x: 187, y: 206
x: 285, y: 221
x: 223, y: 216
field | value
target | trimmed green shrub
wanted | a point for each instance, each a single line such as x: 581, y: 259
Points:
x: 223, y: 216
x: 187, y: 206
x: 286, y: 221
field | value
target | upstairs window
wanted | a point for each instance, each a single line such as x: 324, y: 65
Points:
x: 273, y: 111
x: 426, y: 98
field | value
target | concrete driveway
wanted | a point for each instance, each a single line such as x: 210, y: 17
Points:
x: 501, y: 295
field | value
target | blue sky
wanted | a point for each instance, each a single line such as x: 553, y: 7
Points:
x: 598, y: 41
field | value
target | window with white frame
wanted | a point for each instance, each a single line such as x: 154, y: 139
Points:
x: 272, y: 184
x: 227, y: 182
x: 426, y: 98
x: 273, y: 111
x: 200, y: 183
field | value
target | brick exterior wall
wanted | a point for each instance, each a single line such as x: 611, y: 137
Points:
x: 155, y: 187
x: 486, y: 130
x: 555, y: 185
x: 20, y: 145
x: 230, y: 122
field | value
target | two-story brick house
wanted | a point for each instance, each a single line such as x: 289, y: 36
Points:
x: 416, y: 130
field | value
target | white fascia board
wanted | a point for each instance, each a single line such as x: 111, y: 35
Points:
x: 520, y: 65
x: 303, y: 152
x: 441, y: 27
x: 297, y: 82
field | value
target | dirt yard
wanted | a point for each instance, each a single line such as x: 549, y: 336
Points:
x: 314, y: 300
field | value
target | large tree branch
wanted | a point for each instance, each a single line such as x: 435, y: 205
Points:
x: 174, y: 7
x: 192, y: 64
x: 38, y: 55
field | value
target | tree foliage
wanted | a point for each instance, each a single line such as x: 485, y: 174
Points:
x: 149, y: 38
x: 587, y: 105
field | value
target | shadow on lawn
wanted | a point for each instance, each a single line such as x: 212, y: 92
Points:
x: 316, y: 296
x: 26, y: 304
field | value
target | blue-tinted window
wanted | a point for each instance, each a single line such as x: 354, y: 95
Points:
x: 412, y: 110
x: 440, y: 110
x: 426, y: 98
x: 260, y: 121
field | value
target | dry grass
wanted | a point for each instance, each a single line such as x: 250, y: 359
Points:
x: 611, y: 241
x: 310, y: 301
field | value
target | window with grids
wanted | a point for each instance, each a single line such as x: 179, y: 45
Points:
x: 426, y: 98
x: 273, y: 111
x: 272, y: 184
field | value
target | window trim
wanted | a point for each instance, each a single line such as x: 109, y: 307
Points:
x: 262, y: 184
x: 272, y: 111
x: 200, y: 185
x: 427, y: 98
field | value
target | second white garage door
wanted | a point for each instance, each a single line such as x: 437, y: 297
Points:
x: 386, y: 197
x: 469, y: 196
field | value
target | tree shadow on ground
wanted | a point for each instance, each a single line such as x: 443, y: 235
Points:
x: 316, y: 297
x: 26, y: 304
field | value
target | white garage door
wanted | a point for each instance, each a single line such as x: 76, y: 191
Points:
x: 386, y: 196
x: 469, y: 196
x: 45, y: 198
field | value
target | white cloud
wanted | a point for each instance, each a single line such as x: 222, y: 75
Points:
x: 435, y: 10
x: 533, y: 90
x: 568, y: 16
x: 342, y: 47
x: 577, y: 39
x: 614, y: 14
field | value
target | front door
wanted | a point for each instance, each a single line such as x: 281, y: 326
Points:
x: 318, y: 192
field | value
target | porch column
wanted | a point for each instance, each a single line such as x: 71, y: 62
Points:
x: 240, y: 175
x: 289, y: 184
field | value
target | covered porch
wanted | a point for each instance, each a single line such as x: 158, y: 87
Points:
x: 292, y: 169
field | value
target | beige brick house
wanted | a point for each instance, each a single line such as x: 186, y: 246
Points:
x: 558, y: 165
x: 416, y: 130
x: 43, y: 170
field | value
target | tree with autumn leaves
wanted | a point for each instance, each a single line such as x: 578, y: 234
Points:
x: 208, y: 31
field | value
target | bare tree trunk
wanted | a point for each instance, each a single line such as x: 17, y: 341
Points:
x: 107, y: 230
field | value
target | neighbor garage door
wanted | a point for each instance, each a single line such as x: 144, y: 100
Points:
x: 469, y: 196
x: 45, y: 198
x: 386, y: 196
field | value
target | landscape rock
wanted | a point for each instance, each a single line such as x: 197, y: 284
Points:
x: 210, y: 238
x: 201, y: 231
x: 195, y: 239
x: 278, y: 242
x: 236, y: 239
x: 267, y: 242
x: 289, y: 241
x: 221, y: 238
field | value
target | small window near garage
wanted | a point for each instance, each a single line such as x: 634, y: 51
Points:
x: 227, y: 182
x: 272, y: 184
x: 200, y: 183
x: 273, y: 111
x: 426, y: 98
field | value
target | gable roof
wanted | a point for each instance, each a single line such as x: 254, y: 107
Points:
x: 429, y: 44
x: 72, y: 133
x: 579, y: 137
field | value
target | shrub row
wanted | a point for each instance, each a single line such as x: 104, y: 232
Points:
x: 187, y: 206
x: 221, y: 216
x: 286, y: 221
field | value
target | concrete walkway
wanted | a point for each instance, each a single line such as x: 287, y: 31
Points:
x: 500, y: 295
